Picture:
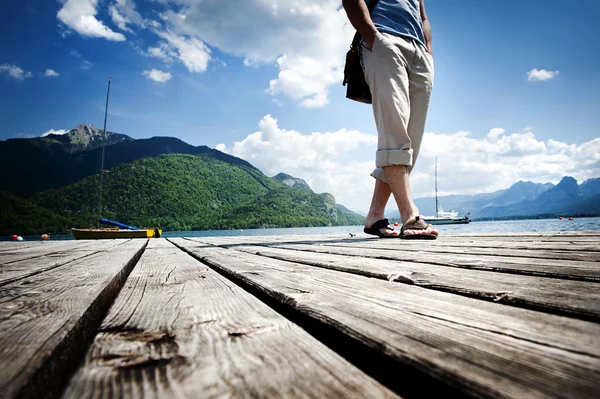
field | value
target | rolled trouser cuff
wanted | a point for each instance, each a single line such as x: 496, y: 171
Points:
x: 379, y: 173
x: 385, y: 158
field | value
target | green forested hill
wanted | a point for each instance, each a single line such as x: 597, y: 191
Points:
x: 188, y: 192
x: 29, y: 166
x: 22, y: 216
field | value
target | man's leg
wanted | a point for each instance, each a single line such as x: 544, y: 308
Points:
x: 398, y: 179
x: 420, y: 86
x: 381, y: 195
x: 380, y: 65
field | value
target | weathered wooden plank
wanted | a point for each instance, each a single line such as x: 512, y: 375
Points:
x: 47, y: 320
x: 179, y: 329
x: 564, y: 269
x: 592, y: 247
x: 534, y: 235
x: 494, y: 251
x: 562, y: 244
x: 486, y: 349
x: 443, y: 245
x: 571, y: 298
x: 12, y: 245
x: 515, y: 242
x: 14, y: 271
x: 37, y: 251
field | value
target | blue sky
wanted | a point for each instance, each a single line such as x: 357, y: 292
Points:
x: 516, y: 95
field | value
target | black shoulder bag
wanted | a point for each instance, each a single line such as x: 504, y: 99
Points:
x: 357, y: 88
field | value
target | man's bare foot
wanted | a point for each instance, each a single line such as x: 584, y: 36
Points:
x: 415, y: 226
x: 381, y: 228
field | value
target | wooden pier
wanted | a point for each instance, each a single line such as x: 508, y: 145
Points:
x: 513, y: 316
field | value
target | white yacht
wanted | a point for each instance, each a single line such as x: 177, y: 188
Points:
x: 441, y: 217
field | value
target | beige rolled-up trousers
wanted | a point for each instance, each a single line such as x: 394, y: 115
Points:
x: 399, y: 72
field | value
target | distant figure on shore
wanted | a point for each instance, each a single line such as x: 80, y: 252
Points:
x: 396, y: 54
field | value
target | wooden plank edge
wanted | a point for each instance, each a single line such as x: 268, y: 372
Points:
x: 497, y: 297
x: 59, y: 263
x: 363, y: 355
x: 495, y: 268
x: 50, y: 380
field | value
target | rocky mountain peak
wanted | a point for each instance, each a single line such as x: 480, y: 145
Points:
x: 293, y: 182
x: 86, y: 137
x: 568, y: 183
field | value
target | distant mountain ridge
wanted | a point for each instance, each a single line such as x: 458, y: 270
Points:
x: 161, y: 181
x: 551, y: 201
x: 56, y: 161
x: 522, y: 199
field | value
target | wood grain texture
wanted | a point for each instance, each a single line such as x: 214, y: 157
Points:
x: 46, y: 320
x: 563, y: 269
x: 572, y: 298
x: 13, y: 245
x: 451, y: 246
x: 559, y: 248
x: 179, y: 329
x: 591, y: 248
x: 486, y: 349
x: 40, y: 250
x: 57, y: 257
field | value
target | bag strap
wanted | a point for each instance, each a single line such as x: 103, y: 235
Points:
x: 356, y: 39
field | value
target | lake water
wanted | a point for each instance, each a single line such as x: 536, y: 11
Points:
x: 506, y: 226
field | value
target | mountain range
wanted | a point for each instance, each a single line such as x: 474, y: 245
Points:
x: 522, y: 200
x: 50, y: 184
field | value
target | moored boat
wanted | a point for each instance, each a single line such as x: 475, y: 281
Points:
x: 448, y: 218
x: 108, y: 233
x: 441, y: 217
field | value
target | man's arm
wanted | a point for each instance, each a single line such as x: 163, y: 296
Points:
x: 359, y: 17
x: 426, y: 28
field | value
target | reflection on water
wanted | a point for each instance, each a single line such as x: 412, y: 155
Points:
x: 506, y: 226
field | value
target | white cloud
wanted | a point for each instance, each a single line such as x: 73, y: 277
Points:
x: 306, y: 40
x: 14, y: 71
x: 158, y: 76
x: 163, y: 52
x: 123, y: 13
x: 340, y: 162
x: 52, y: 131
x: 51, y: 73
x: 193, y: 53
x: 468, y: 165
x: 319, y: 158
x: 86, y: 65
x: 80, y: 16
x: 540, y: 75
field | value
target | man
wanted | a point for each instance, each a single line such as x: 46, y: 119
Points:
x: 396, y: 55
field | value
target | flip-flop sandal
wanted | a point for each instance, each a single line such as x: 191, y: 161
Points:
x: 417, y: 224
x: 378, y: 225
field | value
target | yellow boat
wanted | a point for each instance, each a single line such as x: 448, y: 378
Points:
x: 108, y: 233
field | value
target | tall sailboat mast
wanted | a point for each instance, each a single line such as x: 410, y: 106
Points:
x: 436, y: 191
x: 102, y: 171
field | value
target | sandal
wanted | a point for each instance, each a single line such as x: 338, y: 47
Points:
x: 416, y: 224
x: 377, y: 226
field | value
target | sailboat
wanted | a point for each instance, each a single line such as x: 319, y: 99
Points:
x: 119, y: 230
x: 441, y: 217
